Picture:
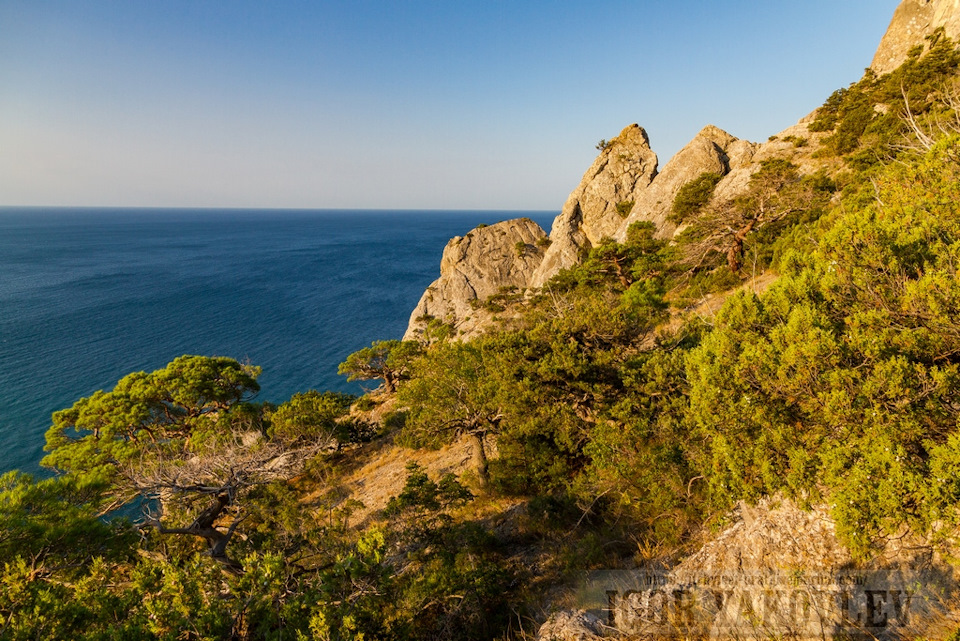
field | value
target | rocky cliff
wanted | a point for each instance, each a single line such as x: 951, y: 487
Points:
x: 487, y: 261
x: 912, y: 22
x: 624, y: 185
x: 711, y: 151
x: 596, y: 209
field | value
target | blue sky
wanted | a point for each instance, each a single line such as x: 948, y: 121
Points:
x: 447, y: 104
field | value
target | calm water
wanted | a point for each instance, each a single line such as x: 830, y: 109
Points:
x: 87, y: 296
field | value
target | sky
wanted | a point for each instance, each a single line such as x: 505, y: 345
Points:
x: 403, y: 104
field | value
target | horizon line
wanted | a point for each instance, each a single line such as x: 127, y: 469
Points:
x: 291, y: 209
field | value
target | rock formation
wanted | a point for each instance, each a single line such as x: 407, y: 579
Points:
x: 623, y: 186
x: 776, y: 571
x: 913, y: 21
x: 572, y: 626
x: 597, y: 207
x: 711, y: 151
x: 485, y: 262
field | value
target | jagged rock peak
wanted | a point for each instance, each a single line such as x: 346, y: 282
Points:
x: 624, y: 168
x: 716, y: 135
x: 474, y: 267
x: 912, y: 22
x: 597, y: 207
x: 712, y: 150
x: 631, y: 136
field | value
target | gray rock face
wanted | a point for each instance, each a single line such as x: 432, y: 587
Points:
x: 711, y: 151
x: 776, y: 571
x: 779, y: 560
x: 622, y: 186
x: 912, y: 22
x: 475, y: 267
x: 622, y: 171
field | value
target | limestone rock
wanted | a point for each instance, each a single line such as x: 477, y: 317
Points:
x: 774, y: 551
x: 775, y: 571
x: 772, y: 536
x: 711, y: 151
x: 624, y: 168
x: 475, y: 267
x: 912, y: 22
x: 796, y: 144
x: 571, y: 626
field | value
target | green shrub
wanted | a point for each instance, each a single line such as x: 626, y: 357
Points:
x: 312, y: 416
x: 552, y: 512
x: 499, y: 302
x: 393, y: 421
x: 875, y: 133
x: 694, y: 195
x: 796, y: 140
x: 833, y: 384
x: 827, y: 115
x: 706, y: 282
x: 365, y: 403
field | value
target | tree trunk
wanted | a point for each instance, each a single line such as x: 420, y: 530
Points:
x: 204, y: 527
x: 480, y: 459
x: 733, y: 256
x: 735, y: 251
x: 624, y: 281
x: 389, y: 383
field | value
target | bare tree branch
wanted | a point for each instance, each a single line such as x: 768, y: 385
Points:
x: 224, y: 472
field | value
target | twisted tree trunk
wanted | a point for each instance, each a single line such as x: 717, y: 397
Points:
x: 480, y: 462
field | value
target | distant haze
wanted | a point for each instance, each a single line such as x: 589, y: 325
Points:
x: 377, y: 104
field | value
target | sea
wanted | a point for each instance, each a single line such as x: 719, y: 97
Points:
x: 90, y: 295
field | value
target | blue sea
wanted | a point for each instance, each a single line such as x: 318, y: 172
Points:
x: 89, y: 295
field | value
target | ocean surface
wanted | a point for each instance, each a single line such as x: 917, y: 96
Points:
x: 90, y: 295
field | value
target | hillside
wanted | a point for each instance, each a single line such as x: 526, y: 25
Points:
x: 718, y: 399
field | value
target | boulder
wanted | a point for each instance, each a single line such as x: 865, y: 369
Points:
x: 579, y: 625
x: 485, y: 262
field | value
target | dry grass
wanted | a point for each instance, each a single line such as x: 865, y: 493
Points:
x: 710, y: 304
x: 377, y: 471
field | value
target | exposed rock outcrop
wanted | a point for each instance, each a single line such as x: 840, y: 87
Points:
x: 623, y: 186
x: 913, y: 21
x: 796, y: 144
x: 485, y: 262
x: 597, y: 207
x: 776, y: 571
x: 776, y: 557
x: 571, y: 626
x: 773, y: 536
x: 711, y: 151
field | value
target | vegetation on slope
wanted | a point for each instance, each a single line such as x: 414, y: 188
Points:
x: 619, y: 436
